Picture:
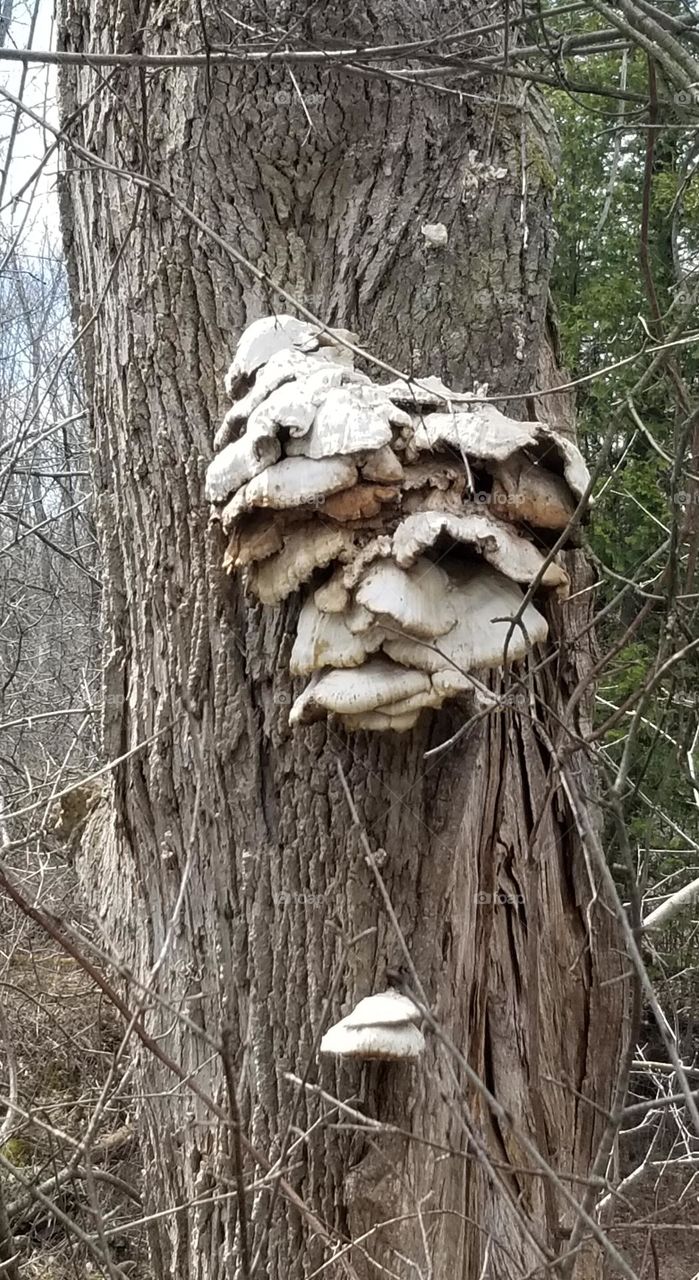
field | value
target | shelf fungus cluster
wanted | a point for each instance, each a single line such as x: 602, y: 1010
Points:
x: 381, y: 1026
x: 411, y: 516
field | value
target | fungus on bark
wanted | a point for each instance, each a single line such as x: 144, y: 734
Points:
x: 381, y: 1026
x: 407, y: 513
x: 435, y: 234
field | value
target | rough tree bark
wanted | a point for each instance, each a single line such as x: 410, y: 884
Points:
x: 196, y: 679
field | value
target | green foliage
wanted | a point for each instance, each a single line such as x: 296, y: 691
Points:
x: 16, y: 1151
x: 606, y: 315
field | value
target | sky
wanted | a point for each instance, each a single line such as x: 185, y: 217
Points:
x: 31, y: 215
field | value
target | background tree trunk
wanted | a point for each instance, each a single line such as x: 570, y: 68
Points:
x: 278, y: 886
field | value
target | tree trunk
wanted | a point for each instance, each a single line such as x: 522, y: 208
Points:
x: 281, y: 911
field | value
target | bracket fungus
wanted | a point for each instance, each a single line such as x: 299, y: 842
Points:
x: 409, y: 515
x: 381, y: 1026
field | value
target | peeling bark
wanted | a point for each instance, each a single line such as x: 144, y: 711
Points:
x: 279, y: 885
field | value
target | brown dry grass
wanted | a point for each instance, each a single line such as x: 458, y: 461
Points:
x: 62, y: 1036
x: 658, y: 1230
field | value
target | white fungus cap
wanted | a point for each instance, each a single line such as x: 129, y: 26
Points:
x: 429, y: 390
x: 265, y: 337
x: 407, y: 512
x: 499, y: 544
x: 350, y: 419
x: 380, y: 1026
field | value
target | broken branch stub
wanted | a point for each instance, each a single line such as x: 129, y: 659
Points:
x: 410, y: 515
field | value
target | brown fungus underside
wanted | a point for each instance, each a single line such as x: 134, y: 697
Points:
x: 411, y: 516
